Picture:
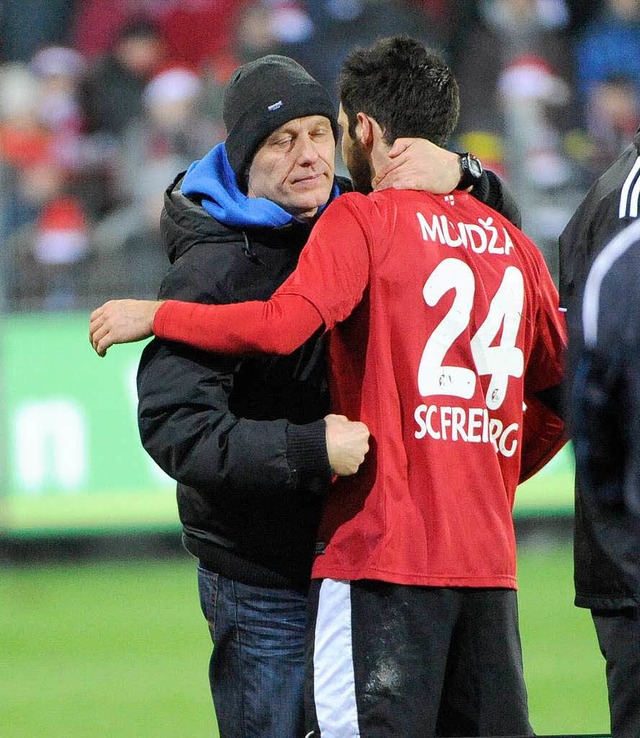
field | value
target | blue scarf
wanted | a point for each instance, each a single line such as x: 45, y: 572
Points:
x: 213, y: 180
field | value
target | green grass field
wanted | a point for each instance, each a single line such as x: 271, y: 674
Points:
x: 113, y: 649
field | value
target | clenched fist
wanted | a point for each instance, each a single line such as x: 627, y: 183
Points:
x: 347, y: 444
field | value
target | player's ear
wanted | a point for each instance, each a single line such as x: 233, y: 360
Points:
x: 364, y: 130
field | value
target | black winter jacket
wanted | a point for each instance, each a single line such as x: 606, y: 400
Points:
x: 610, y: 205
x: 244, y: 438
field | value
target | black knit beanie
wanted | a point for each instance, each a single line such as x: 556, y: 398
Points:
x: 261, y: 96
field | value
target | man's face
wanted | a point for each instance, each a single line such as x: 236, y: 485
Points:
x: 354, y: 157
x: 294, y: 167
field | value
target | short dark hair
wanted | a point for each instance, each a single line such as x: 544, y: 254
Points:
x: 405, y: 86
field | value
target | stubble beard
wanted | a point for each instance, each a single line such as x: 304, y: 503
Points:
x: 360, y: 170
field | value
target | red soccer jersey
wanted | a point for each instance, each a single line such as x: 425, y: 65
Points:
x: 441, y: 312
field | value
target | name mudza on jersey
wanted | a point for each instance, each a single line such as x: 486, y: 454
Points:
x: 482, y: 236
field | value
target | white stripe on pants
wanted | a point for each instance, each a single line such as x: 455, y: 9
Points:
x: 333, y: 674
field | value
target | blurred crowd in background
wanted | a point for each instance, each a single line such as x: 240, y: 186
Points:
x: 103, y: 102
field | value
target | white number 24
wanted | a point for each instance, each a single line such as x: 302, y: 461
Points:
x: 500, y: 362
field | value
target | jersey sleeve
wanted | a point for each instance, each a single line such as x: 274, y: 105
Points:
x: 544, y: 430
x: 328, y: 283
x: 277, y: 326
x: 543, y: 435
x: 333, y: 270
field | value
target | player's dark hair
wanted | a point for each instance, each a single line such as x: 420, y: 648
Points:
x: 406, y: 87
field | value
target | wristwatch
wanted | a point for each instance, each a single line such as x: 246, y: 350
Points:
x: 470, y: 170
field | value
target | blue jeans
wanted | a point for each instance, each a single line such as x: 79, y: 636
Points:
x: 256, y: 670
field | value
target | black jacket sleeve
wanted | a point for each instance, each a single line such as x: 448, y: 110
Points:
x: 597, y: 426
x: 605, y: 420
x: 187, y: 427
x: 605, y: 412
x: 220, y: 423
x: 492, y: 191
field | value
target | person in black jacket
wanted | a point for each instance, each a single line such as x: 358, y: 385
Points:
x: 248, y: 440
x: 609, y: 206
x: 602, y: 397
x: 605, y: 406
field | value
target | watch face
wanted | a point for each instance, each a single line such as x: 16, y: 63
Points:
x: 470, y: 171
x: 474, y: 166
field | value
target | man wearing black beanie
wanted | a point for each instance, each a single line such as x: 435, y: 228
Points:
x: 263, y: 95
x: 249, y: 440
